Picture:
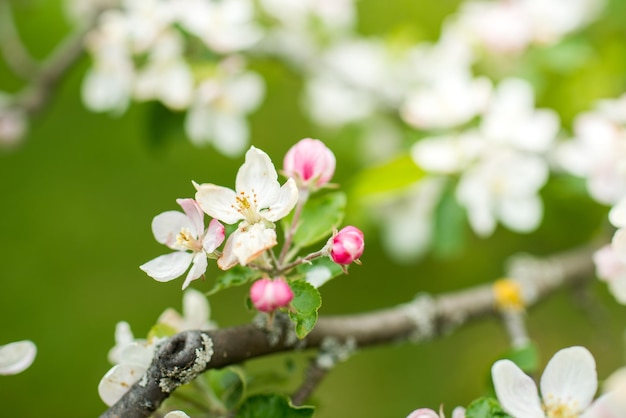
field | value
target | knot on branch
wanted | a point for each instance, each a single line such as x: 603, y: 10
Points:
x: 183, y: 357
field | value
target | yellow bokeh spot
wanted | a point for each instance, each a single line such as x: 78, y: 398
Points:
x: 508, y: 294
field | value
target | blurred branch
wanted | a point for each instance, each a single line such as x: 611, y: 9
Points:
x: 45, y: 76
x: 13, y: 50
x: 187, y: 354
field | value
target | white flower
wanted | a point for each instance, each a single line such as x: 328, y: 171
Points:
x: 218, y: 112
x: 257, y: 201
x: 611, y: 269
x: 598, y: 150
x: 176, y: 414
x: 568, y: 385
x: 135, y: 358
x: 503, y: 186
x: 183, y: 232
x: 17, y: 357
x: 196, y: 313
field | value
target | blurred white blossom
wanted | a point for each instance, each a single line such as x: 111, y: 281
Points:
x: 598, y: 150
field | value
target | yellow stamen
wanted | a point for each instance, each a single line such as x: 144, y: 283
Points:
x: 508, y: 295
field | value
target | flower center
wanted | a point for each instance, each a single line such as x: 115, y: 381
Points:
x: 560, y: 410
x: 186, y: 241
x: 247, y: 206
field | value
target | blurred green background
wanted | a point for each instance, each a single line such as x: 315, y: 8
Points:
x: 78, y: 196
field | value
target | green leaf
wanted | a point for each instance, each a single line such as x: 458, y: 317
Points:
x: 306, y: 301
x: 272, y: 406
x: 485, y: 408
x: 449, y: 236
x: 236, y: 276
x: 388, y: 178
x: 229, y: 385
x: 160, y: 330
x: 320, y: 269
x: 319, y: 216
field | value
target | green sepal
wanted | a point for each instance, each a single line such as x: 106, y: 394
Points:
x: 485, y: 408
x: 236, y: 276
x: 318, y: 218
x: 160, y: 330
x: 274, y: 406
x: 306, y: 301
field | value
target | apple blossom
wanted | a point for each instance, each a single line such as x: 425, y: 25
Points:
x: 256, y: 203
x: 268, y: 295
x: 612, y: 269
x: 196, y: 313
x: 184, y: 232
x: 17, y: 356
x: 310, y: 163
x: 568, y: 385
x: 346, y: 246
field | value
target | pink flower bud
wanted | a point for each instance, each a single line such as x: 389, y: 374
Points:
x: 267, y: 294
x: 423, y: 413
x: 347, y: 245
x: 310, y: 163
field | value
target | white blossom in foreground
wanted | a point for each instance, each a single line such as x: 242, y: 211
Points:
x: 185, y: 233
x: 135, y: 358
x: 17, y: 356
x: 256, y: 203
x: 568, y: 386
x: 176, y: 414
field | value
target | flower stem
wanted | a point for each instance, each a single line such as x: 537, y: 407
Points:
x: 304, y: 196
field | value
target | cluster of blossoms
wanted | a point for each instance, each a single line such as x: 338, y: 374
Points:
x: 597, y: 153
x: 256, y: 204
x: 132, y: 356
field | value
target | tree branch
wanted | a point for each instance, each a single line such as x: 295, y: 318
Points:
x: 190, y: 353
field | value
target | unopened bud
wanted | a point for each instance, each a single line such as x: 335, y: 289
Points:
x: 347, y: 245
x: 310, y: 163
x: 268, y: 295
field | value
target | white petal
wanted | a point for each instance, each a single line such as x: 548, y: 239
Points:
x: 214, y: 236
x: 247, y: 244
x: 198, y: 267
x: 196, y: 309
x: 17, y: 357
x: 619, y: 244
x: 516, y: 391
x: 570, y: 378
x: 176, y: 414
x: 617, y: 214
x: 117, y: 381
x: 521, y: 214
x: 285, y: 201
x: 138, y: 353
x: 257, y: 175
x: 194, y: 213
x: 168, y: 267
x: 607, y: 406
x: 217, y: 202
x: 167, y: 225
x: 228, y: 258
x: 230, y: 133
x: 123, y: 337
